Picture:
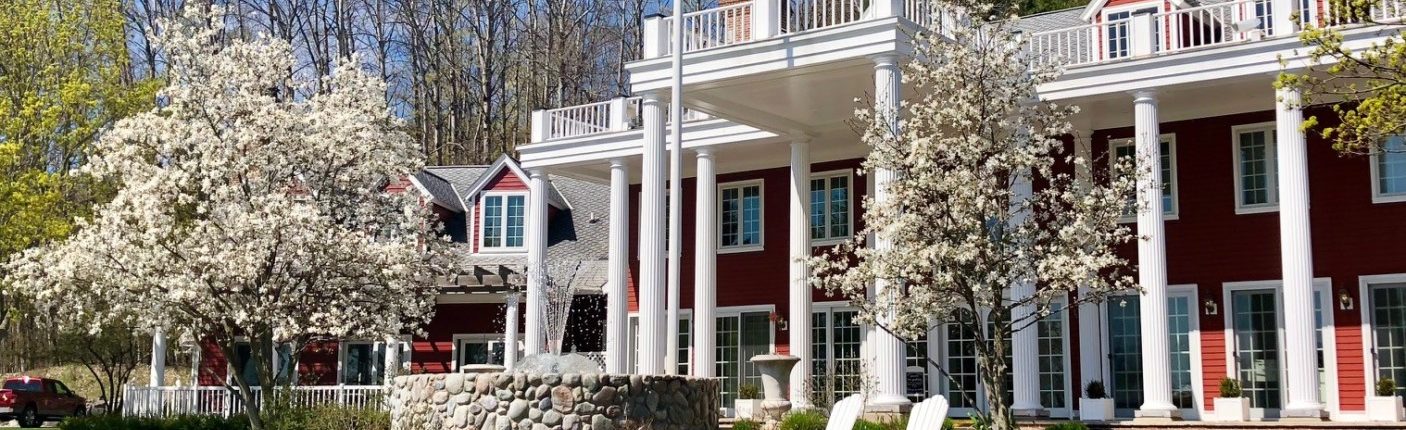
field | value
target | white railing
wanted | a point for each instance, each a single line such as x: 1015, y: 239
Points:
x: 801, y: 15
x: 221, y: 401
x: 578, y: 120
x: 926, y: 12
x: 712, y: 28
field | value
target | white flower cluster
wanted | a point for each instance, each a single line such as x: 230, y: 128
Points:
x: 243, y: 210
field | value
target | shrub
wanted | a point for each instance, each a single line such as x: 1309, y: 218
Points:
x: 948, y: 424
x: 1068, y: 425
x: 188, y: 422
x: 327, y: 418
x: 1386, y: 387
x: 896, y: 423
x: 748, y: 392
x: 1095, y: 390
x: 804, y: 420
x: 1229, y: 388
x: 746, y: 424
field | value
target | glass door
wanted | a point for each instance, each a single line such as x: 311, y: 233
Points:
x: 739, y: 338
x: 1125, y: 354
x: 1256, y: 322
x: 1389, y: 332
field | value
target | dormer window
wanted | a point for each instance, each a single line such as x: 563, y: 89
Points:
x: 502, y: 220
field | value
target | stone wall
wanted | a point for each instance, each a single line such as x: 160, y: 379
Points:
x: 508, y: 401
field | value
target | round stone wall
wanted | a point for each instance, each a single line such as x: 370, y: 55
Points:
x: 508, y: 401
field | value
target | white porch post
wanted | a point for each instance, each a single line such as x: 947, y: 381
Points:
x: 536, y: 258
x: 510, y: 321
x: 800, y: 300
x: 1152, y: 260
x: 391, y: 362
x: 1296, y: 252
x: 158, y: 358
x: 705, y: 277
x: 889, y: 351
x: 616, y: 307
x: 1025, y: 345
x: 652, y: 282
x: 1090, y: 313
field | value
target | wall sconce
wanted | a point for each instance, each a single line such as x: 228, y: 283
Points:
x: 1211, y: 307
x: 1345, y: 301
x: 779, y: 321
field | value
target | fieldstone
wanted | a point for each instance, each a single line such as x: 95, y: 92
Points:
x: 461, y: 398
x: 474, y: 408
x: 501, y: 380
x: 569, y: 421
x: 562, y: 399
x: 601, y: 422
x: 489, y: 422
x: 438, y: 384
x: 481, y: 383
x: 651, y: 400
x: 636, y: 383
x: 578, y: 394
x: 544, y: 404
x: 461, y: 417
x: 585, y: 408
x: 551, y: 418
x: 478, y: 420
x: 590, y: 381
x: 503, y: 423
x: 489, y: 403
x: 524, y: 425
x: 534, y: 414
x: 534, y: 378
x: 605, y: 396
x: 519, y: 381
x: 505, y: 395
x: 517, y: 409
x: 543, y: 391
x: 551, y: 379
x: 540, y: 427
x: 439, y: 397
x: 572, y: 379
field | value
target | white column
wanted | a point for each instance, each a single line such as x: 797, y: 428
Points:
x: 158, y: 358
x: 652, y: 282
x: 1296, y: 251
x: 1025, y: 343
x: 1090, y: 314
x: 705, y: 265
x: 510, y: 322
x: 536, y: 259
x: 889, y: 351
x: 800, y: 297
x: 391, y: 362
x: 671, y: 336
x: 617, y: 317
x: 1152, y: 260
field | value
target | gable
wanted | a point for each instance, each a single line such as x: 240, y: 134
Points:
x: 1094, y: 11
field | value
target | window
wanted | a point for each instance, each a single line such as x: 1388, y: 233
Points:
x: 685, y: 345
x: 25, y: 384
x: 244, y: 364
x: 1119, y: 26
x: 1050, y: 334
x: 1264, y: 10
x: 478, y: 349
x: 961, y: 361
x: 830, y: 206
x: 740, y: 212
x: 836, y: 343
x: 1388, y: 313
x: 504, y: 218
x: 364, y: 362
x: 1389, y: 171
x: 1125, y: 149
x: 1256, y: 185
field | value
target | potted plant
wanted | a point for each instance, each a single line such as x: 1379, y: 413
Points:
x: 1230, y: 406
x: 1095, y: 405
x: 749, y: 403
x: 1386, y: 405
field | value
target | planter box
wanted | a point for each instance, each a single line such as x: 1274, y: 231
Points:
x: 749, y: 409
x: 1233, y: 409
x: 1385, y: 409
x: 1095, y: 409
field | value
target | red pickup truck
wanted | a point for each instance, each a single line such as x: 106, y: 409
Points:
x: 33, y: 400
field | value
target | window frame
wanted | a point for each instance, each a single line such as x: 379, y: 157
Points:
x: 482, y: 209
x: 1132, y: 10
x: 1271, y: 167
x: 1196, y: 308
x: 741, y: 220
x: 406, y: 348
x: 1173, y: 212
x: 1379, y: 197
x: 486, y: 338
x: 829, y: 239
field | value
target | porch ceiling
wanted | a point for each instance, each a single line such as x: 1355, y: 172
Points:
x: 799, y: 101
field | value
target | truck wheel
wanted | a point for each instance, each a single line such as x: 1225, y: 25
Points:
x: 81, y: 411
x: 30, y: 418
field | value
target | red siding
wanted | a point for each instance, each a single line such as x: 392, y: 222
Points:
x: 434, y: 353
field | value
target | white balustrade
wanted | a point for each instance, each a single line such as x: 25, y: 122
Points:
x: 713, y: 28
x: 217, y: 400
x: 802, y: 15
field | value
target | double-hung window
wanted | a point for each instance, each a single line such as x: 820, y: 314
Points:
x: 1256, y: 170
x: 830, y: 206
x: 503, y: 221
x: 740, y: 215
x: 1389, y: 171
x: 1126, y: 149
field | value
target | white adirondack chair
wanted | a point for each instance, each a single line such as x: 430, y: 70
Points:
x: 845, y: 413
x: 929, y: 414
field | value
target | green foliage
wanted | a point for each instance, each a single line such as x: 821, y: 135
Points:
x: 809, y: 419
x: 1386, y: 387
x: 1068, y: 425
x: 1030, y: 7
x: 746, y: 424
x: 1229, y: 388
x: 1094, y: 390
x: 748, y: 392
x: 899, y: 423
x: 327, y: 418
x: 191, y: 422
x: 949, y: 424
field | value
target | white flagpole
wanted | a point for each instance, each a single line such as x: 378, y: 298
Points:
x: 671, y: 356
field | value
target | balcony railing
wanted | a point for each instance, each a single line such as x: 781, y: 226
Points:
x: 713, y: 28
x: 618, y: 114
x: 764, y: 19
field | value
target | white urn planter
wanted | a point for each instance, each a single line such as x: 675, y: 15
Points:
x: 1095, y: 409
x: 775, y: 369
x: 1232, y: 409
x: 1385, y: 409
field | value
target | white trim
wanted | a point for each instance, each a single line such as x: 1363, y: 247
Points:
x: 487, y: 338
x: 1271, y: 167
x: 741, y: 217
x: 503, y: 226
x: 379, y: 362
x: 1320, y: 286
x: 1170, y: 213
x: 1377, y: 196
x: 848, y: 174
x: 1363, y: 304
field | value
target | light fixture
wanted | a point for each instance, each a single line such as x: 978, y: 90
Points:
x: 1211, y: 307
x: 1345, y: 301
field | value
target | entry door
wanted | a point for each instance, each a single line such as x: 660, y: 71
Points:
x: 1389, y: 332
x: 1256, y: 323
x: 739, y: 338
x: 1125, y: 354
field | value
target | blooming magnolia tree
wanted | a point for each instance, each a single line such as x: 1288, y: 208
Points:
x: 247, y: 213
x: 965, y: 229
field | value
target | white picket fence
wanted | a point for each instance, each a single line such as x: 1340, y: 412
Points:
x: 172, y: 401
